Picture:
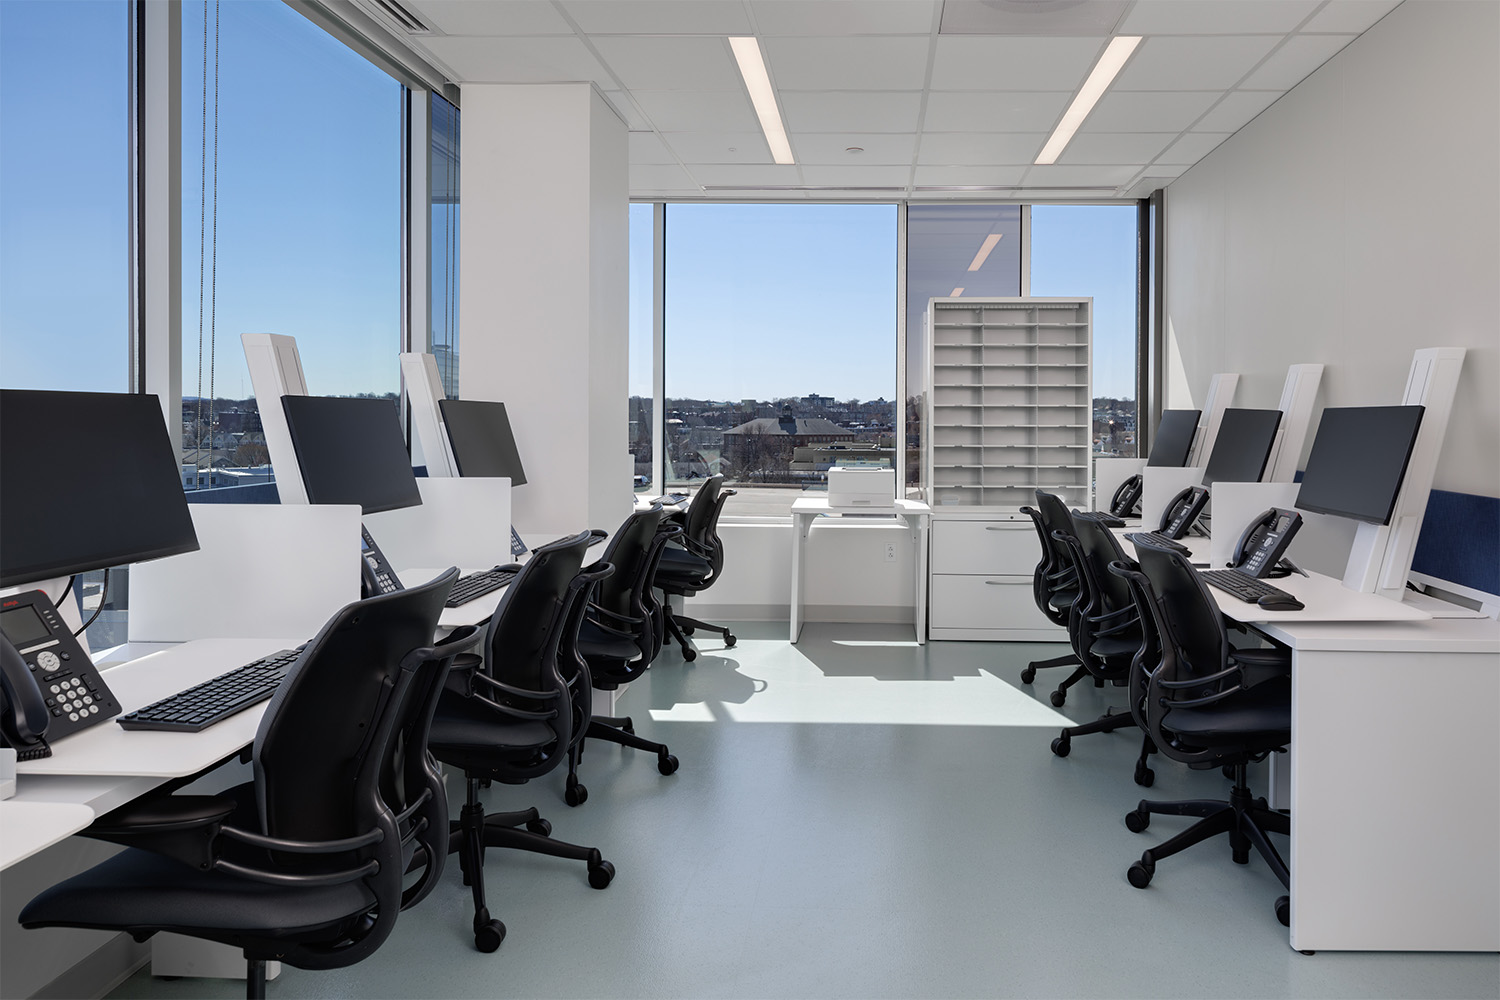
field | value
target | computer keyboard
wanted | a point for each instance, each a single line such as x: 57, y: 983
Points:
x: 466, y: 588
x: 1108, y: 520
x: 199, y: 707
x: 1247, y: 588
x: 1159, y: 538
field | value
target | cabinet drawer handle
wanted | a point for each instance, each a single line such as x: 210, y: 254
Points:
x: 994, y: 527
x: 995, y: 583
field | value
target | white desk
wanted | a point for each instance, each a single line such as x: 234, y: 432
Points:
x: 28, y: 827
x: 1395, y: 784
x: 472, y: 613
x: 807, y: 509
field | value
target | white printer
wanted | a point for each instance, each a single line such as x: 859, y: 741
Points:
x: 871, y: 487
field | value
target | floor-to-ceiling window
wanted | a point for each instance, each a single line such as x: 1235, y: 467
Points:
x: 443, y: 194
x: 642, y: 337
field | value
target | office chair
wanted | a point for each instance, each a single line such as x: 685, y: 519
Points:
x: 692, y: 562
x: 622, y: 633
x: 519, y: 713
x: 1054, y: 587
x: 1208, y: 705
x: 1104, y: 628
x: 305, y: 864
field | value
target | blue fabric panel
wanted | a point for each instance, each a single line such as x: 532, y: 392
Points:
x: 254, y: 493
x: 1460, y: 540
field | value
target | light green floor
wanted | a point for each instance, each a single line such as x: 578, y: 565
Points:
x: 812, y: 846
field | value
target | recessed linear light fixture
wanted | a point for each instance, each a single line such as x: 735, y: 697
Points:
x: 984, y: 251
x: 955, y: 293
x: 758, y: 83
x: 1105, y: 70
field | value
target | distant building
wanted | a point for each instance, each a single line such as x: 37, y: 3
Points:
x: 765, y: 446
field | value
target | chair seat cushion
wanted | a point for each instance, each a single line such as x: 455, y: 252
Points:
x: 1063, y: 599
x: 1262, y: 714
x: 596, y: 644
x: 1112, y: 647
x: 469, y: 726
x: 680, y: 567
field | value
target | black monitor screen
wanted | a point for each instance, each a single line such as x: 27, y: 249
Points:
x: 1174, y: 438
x: 88, y: 480
x: 1242, y: 446
x: 1358, y: 460
x: 351, y: 451
x: 483, y: 444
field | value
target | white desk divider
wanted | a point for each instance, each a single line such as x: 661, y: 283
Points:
x: 1109, y: 473
x: 424, y: 387
x: 1159, y: 485
x: 1220, y: 394
x: 263, y: 570
x: 1233, y: 506
x: 461, y: 522
x: 276, y: 371
x: 1297, y: 399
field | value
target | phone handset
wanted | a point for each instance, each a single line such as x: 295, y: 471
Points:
x: 1183, y: 511
x: 1264, y: 541
x: 375, y: 574
x: 1127, y: 497
x: 23, y: 709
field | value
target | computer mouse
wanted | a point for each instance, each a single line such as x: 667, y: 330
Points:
x: 1275, y: 602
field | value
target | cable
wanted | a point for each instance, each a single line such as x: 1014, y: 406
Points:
x: 65, y: 591
x: 103, y: 599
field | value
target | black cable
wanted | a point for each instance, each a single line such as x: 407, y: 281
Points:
x: 65, y: 591
x: 103, y: 598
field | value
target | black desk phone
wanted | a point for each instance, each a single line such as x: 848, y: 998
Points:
x: 1183, y: 511
x: 49, y: 686
x: 1264, y: 541
x: 375, y: 574
x: 1127, y: 499
x: 517, y: 547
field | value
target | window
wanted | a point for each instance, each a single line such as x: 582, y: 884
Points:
x: 642, y: 339
x: 443, y: 176
x: 780, y: 336
x: 291, y: 218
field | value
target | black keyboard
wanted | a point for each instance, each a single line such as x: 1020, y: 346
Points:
x: 199, y: 707
x: 1108, y: 520
x: 1247, y: 588
x: 1159, y: 539
x: 466, y: 588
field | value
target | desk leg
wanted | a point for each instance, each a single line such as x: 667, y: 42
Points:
x: 800, y: 525
x: 918, y: 525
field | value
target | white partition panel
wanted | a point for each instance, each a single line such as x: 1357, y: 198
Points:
x: 276, y: 371
x: 263, y: 570
x: 460, y: 522
x: 1159, y: 485
x: 1234, y: 504
x: 424, y: 388
x: 1109, y: 473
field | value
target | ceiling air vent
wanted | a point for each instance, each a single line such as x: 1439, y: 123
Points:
x: 404, y: 18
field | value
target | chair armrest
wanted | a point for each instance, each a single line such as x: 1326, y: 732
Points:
x: 184, y: 828
x: 1260, y: 665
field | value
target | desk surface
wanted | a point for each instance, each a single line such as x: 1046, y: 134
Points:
x: 820, y: 505
x: 31, y: 826
x: 471, y: 613
x: 1434, y: 635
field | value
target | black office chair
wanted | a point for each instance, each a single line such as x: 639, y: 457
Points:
x: 1104, y: 628
x: 691, y: 563
x: 622, y: 634
x: 519, y: 714
x: 1208, y: 705
x: 305, y: 864
x: 1054, y: 586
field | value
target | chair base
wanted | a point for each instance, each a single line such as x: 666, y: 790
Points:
x: 679, y: 627
x: 1029, y: 674
x: 1247, y: 821
x: 622, y: 732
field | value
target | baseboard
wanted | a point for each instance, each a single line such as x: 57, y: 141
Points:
x: 858, y: 614
x: 101, y: 972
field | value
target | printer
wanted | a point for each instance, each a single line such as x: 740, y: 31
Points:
x: 867, y: 487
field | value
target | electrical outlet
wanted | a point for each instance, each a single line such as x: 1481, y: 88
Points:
x: 890, y: 551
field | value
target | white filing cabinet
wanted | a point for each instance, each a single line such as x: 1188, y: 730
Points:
x: 981, y: 566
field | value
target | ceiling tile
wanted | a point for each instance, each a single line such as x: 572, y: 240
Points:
x: 659, y: 17
x: 1236, y: 110
x: 1128, y: 147
x: 1218, y: 17
x: 972, y: 149
x: 746, y: 175
x: 1191, y: 148
x: 866, y: 63
x: 844, y: 17
x: 518, y: 60
x: 1148, y: 111
x: 1004, y: 111
x: 659, y: 177
x: 622, y: 103
x: 654, y: 62
x: 989, y: 176
x: 1212, y: 63
x: 647, y: 147
x: 894, y: 177
x: 990, y: 62
x: 719, y: 147
x: 851, y: 111
x: 1350, y: 15
x: 1298, y: 57
x: 695, y: 110
x: 833, y: 148
x: 498, y: 17
x: 1093, y: 18
x: 1061, y: 175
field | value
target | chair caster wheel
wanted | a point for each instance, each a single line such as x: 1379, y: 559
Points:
x: 601, y: 874
x: 667, y: 764
x: 1140, y: 873
x: 687, y: 630
x: 1284, y: 910
x: 1227, y: 771
x: 1144, y: 776
x: 729, y: 640
x: 575, y: 795
x: 1028, y: 675
x: 690, y: 655
x: 1062, y: 746
x: 1136, y: 821
x: 540, y: 827
x: 487, y: 933
x: 1058, y: 698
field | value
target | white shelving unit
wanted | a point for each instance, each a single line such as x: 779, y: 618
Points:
x: 1009, y: 411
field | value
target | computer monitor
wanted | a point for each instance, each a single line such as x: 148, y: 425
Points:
x: 480, y: 434
x: 1242, y: 447
x: 1358, y: 460
x: 88, y: 480
x: 1174, y: 438
x: 351, y: 450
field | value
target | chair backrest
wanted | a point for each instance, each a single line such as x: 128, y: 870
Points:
x: 1098, y: 547
x: 700, y: 526
x: 629, y: 552
x: 526, y: 628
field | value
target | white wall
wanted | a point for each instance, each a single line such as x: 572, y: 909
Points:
x: 1355, y: 221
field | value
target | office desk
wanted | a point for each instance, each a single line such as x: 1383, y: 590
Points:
x: 1395, y: 784
x: 472, y: 613
x: 29, y: 827
x: 914, y: 513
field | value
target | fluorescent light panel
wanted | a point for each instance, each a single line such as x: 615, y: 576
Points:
x: 1105, y: 70
x: 984, y: 251
x: 758, y: 83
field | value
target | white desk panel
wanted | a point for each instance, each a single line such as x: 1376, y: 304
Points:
x: 472, y: 613
x: 28, y: 827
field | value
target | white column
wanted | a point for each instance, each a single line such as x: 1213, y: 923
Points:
x: 544, y: 272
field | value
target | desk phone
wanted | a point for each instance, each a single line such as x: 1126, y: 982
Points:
x: 375, y: 574
x: 1265, y: 539
x: 1127, y: 499
x: 1183, y: 511
x: 51, y: 687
